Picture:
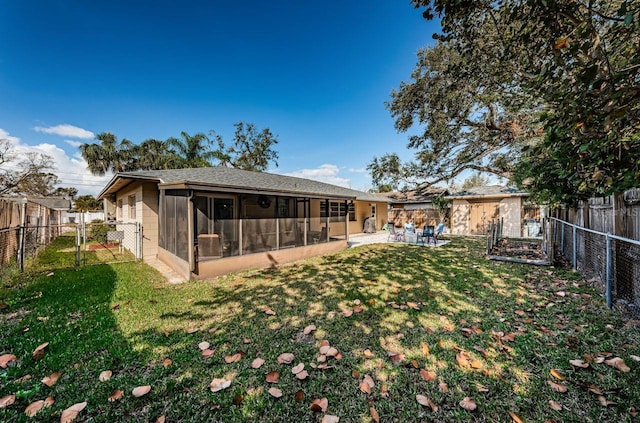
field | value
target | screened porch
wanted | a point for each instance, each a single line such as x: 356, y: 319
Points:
x: 200, y: 226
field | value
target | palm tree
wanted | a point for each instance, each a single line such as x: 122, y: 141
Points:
x: 109, y: 155
x: 155, y: 154
x: 192, y: 151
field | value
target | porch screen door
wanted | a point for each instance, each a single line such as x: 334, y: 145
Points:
x: 215, y: 215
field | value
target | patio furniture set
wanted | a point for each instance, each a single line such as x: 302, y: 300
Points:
x: 410, y: 234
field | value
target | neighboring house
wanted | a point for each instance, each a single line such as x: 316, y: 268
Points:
x: 473, y: 209
x: 210, y: 221
x: 416, y: 206
x: 46, y: 211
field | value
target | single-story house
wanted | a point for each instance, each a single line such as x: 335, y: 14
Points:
x: 210, y: 221
x: 473, y: 209
x: 415, y: 206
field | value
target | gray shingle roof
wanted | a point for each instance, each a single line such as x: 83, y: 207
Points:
x: 53, y: 203
x: 260, y: 181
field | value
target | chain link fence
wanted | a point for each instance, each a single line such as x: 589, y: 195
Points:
x: 610, y: 262
x: 108, y: 242
x: 81, y: 244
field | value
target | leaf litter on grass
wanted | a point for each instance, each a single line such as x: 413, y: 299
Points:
x: 453, y: 320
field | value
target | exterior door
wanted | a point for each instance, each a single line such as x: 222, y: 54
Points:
x: 481, y: 214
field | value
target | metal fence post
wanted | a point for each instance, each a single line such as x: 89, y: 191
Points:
x: 575, y: 249
x: 78, y: 245
x: 562, y: 239
x: 609, y: 270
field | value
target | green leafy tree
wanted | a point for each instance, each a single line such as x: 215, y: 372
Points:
x: 191, y: 150
x: 109, y: 155
x: 574, y: 66
x: 65, y: 192
x: 469, y: 118
x: 251, y: 149
x: 153, y: 154
x: 475, y: 180
x: 25, y: 174
x: 87, y: 203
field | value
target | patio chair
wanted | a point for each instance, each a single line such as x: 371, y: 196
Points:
x: 439, y: 231
x: 427, y: 233
x: 410, y: 234
x: 397, y: 236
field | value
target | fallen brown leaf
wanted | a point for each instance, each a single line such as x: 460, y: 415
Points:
x: 141, y: 391
x: 38, y: 353
x: 468, y: 404
x: 605, y: 402
x: 619, y: 364
x: 233, y: 358
x: 425, y: 348
x: 557, y: 374
x: 5, y: 359
x: 51, y: 379
x: 555, y: 406
x: 557, y: 387
x: 299, y: 396
x: 105, y: 375
x: 374, y: 414
x: 285, y: 358
x: 319, y: 404
x: 237, y: 400
x: 328, y: 418
x: 428, y: 375
x: 71, y: 413
x: 219, y: 384
x: 579, y: 363
x: 272, y: 377
x: 257, y: 363
x: 302, y: 375
x: 307, y: 330
x: 204, y: 345
x: 515, y: 418
x: 275, y: 392
x: 422, y: 400
x: 7, y: 400
x: 115, y: 395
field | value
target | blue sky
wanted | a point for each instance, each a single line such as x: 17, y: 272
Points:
x: 316, y: 73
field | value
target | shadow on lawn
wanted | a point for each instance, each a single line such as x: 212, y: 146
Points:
x: 453, y: 287
x: 120, y: 318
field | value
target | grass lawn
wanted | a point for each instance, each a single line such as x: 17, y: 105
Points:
x: 442, y: 323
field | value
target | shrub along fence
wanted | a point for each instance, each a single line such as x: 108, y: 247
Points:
x: 611, y: 262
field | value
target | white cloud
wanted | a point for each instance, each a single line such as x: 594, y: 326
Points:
x: 4, y: 135
x: 75, y: 144
x: 72, y: 171
x: 66, y: 130
x: 324, y: 173
x: 359, y: 170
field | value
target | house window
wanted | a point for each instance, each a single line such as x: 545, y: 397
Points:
x: 119, y: 210
x: 132, y: 207
x: 337, y: 210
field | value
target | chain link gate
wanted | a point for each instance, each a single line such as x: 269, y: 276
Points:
x: 108, y: 242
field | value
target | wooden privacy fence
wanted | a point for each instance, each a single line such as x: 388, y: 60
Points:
x: 419, y: 217
x: 10, y: 221
x: 617, y: 214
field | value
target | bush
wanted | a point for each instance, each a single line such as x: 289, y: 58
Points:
x: 98, y: 231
